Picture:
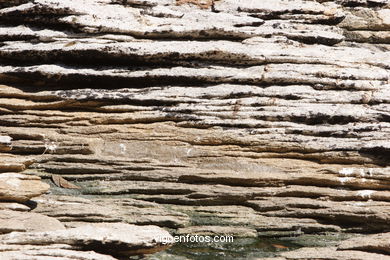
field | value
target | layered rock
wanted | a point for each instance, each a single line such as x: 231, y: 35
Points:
x: 74, y: 212
x: 27, y: 235
x: 19, y: 187
x: 5, y: 143
x: 113, y: 239
x: 372, y: 243
x: 364, y: 248
x: 11, y: 221
x: 16, y: 190
x: 330, y: 253
x: 41, y: 253
x: 256, y: 118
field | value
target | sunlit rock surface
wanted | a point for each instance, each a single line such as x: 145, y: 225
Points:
x: 13, y: 221
x: 19, y: 187
x: 256, y: 118
x: 117, y: 239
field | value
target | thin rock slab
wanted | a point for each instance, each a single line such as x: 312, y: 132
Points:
x: 10, y: 163
x: 77, y: 211
x: 20, y: 188
x: 330, y: 253
x: 5, y: 143
x: 107, y: 238
x: 218, y: 231
x: 378, y: 243
x: 50, y: 254
x: 13, y: 206
x: 14, y: 221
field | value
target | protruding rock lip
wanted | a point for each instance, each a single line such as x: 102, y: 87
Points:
x: 117, y: 239
x: 5, y: 143
x: 14, y: 221
x: 377, y: 243
x: 20, y: 187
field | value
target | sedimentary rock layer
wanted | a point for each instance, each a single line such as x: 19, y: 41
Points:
x: 267, y: 118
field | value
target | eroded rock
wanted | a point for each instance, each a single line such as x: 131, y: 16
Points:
x: 271, y: 115
x: 5, y: 143
x: 379, y: 243
x: 76, y: 211
x: 47, y: 253
x: 114, y: 239
x: 19, y: 187
x: 12, y: 221
x: 330, y: 254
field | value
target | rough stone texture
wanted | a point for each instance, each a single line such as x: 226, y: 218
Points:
x: 20, y: 187
x: 5, y: 143
x: 363, y: 247
x: 113, y: 239
x: 373, y: 243
x: 75, y: 211
x: 331, y: 254
x: 11, y: 163
x: 267, y: 115
x: 48, y: 254
x: 12, y: 221
x: 218, y: 231
x: 13, y: 206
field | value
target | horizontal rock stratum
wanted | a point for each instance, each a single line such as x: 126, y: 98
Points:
x: 116, y: 239
x: 19, y: 187
x: 256, y: 118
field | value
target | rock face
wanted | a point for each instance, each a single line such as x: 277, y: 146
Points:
x: 11, y: 221
x: 56, y: 253
x: 19, y: 187
x: 114, y: 239
x: 362, y: 248
x: 330, y: 254
x: 267, y: 118
x: 372, y: 243
x: 5, y: 143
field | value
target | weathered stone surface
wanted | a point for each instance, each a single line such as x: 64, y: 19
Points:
x: 11, y: 221
x: 172, y: 21
x: 76, y: 211
x: 5, y: 143
x: 330, y: 254
x: 113, y: 239
x: 13, y: 206
x: 218, y: 231
x: 379, y: 243
x: 47, y: 254
x: 20, y: 187
x: 267, y: 117
x: 363, y: 247
x: 235, y: 217
x: 11, y: 163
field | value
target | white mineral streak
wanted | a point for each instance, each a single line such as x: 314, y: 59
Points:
x: 346, y: 171
x: 365, y: 193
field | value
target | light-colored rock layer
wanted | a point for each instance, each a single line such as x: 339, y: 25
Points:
x: 267, y: 118
x: 371, y: 243
x: 331, y: 254
x: 20, y: 187
x: 12, y: 221
x: 359, y: 248
x: 112, y: 239
x: 42, y: 253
